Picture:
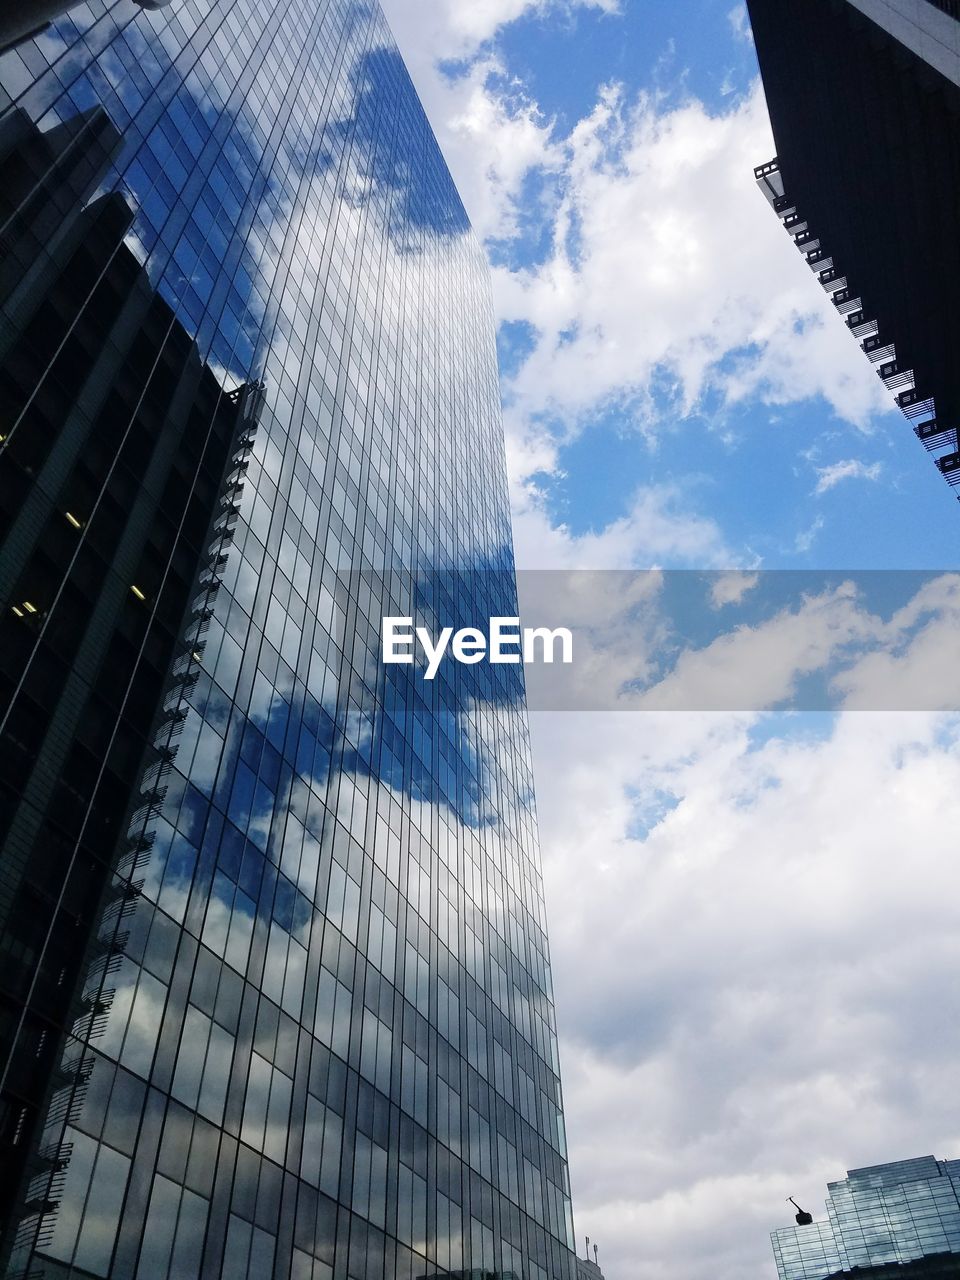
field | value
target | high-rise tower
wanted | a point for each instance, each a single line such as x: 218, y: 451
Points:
x: 274, y: 995
x: 864, y: 99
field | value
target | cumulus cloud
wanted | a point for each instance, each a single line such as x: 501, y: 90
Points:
x: 730, y: 588
x: 759, y: 666
x: 666, y: 279
x: 491, y: 132
x: 912, y: 664
x: 647, y: 641
x: 769, y: 995
x: 667, y: 270
x: 452, y: 29
x: 492, y: 136
x: 753, y: 942
x: 658, y: 528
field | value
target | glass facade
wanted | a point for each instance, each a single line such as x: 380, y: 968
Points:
x: 886, y: 1216
x: 275, y: 995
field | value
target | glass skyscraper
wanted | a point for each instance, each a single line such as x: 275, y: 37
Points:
x: 275, y: 995
x: 901, y: 1218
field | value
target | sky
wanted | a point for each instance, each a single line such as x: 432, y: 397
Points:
x: 751, y: 913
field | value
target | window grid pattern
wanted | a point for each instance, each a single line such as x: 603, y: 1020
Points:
x: 887, y: 1215
x: 330, y: 1044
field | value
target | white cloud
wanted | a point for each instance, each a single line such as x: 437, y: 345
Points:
x: 849, y: 469
x: 739, y: 21
x: 658, y: 528
x: 753, y: 986
x: 759, y: 666
x: 667, y: 262
x: 644, y: 642
x: 665, y: 258
x: 667, y: 276
x: 507, y: 133
x: 491, y: 133
x: 730, y: 588
x: 446, y: 29
x: 912, y: 666
x: 807, y: 537
x: 759, y: 993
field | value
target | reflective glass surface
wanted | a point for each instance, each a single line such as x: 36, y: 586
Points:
x: 889, y: 1214
x: 299, y: 1021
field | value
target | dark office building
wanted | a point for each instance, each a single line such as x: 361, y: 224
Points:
x: 275, y: 996
x: 883, y: 1222
x: 32, y: 17
x: 864, y: 98
x: 115, y: 506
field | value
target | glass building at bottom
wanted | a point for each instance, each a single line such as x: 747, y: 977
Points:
x: 887, y: 1220
x: 275, y: 993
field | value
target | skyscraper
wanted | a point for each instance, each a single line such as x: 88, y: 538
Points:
x: 275, y: 994
x: 864, y: 99
x: 121, y: 466
x: 889, y: 1220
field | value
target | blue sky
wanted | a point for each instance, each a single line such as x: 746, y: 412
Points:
x: 752, y: 943
x: 760, y: 461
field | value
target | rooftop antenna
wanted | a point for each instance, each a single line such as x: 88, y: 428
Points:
x: 588, y: 1248
x: 595, y: 1262
x: 803, y: 1218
